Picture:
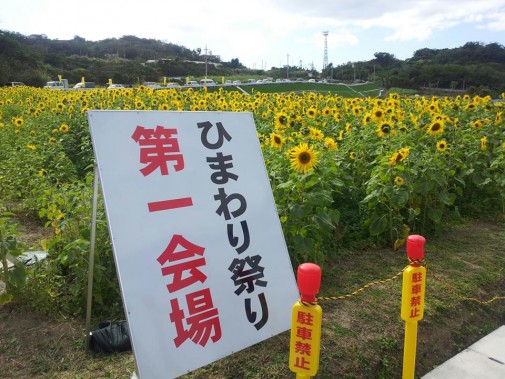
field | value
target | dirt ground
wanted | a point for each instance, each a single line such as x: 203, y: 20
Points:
x: 34, y: 346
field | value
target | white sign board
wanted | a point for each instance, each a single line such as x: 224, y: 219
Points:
x: 200, y: 255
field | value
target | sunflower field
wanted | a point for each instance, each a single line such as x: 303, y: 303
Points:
x: 345, y: 172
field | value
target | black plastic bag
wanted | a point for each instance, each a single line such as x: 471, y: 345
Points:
x: 110, y: 337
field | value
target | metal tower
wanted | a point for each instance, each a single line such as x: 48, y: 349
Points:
x: 325, y: 59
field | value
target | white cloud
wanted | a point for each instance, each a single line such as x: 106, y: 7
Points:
x: 496, y: 22
x: 267, y: 30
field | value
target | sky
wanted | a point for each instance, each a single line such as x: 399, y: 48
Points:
x: 267, y: 33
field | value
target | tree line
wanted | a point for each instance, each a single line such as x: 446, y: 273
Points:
x: 475, y: 66
x: 36, y: 59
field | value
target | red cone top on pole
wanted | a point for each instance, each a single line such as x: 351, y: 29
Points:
x: 415, y: 246
x: 309, y: 280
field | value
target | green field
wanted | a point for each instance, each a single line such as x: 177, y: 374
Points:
x: 348, y: 91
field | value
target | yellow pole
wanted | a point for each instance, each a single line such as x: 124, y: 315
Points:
x: 412, y: 309
x: 409, y: 350
x: 306, y: 320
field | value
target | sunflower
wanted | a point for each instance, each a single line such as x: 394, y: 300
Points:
x: 52, y: 140
x: 353, y: 155
x: 316, y: 133
x: 281, y: 120
x: 330, y: 143
x: 42, y: 172
x: 470, y: 107
x: 64, y: 128
x: 31, y: 146
x: 436, y: 127
x: 276, y: 140
x: 327, y: 111
x: 442, y: 145
x: 377, y: 114
x: 311, y: 112
x: 399, y: 181
x: 303, y: 157
x: 498, y: 118
x: 395, y: 158
x: 483, y: 143
x: 356, y: 111
x: 404, y: 152
x: 384, y: 128
x: 477, y: 124
x: 18, y: 121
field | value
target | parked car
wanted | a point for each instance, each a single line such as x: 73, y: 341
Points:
x: 236, y: 82
x: 15, y: 84
x: 228, y: 83
x: 312, y: 80
x: 192, y: 83
x: 81, y: 85
x: 115, y: 86
x: 57, y: 84
x: 207, y: 82
x: 151, y: 85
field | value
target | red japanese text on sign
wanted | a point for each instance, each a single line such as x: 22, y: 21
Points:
x: 305, y: 339
x: 414, y: 285
x: 202, y: 321
x: 158, y: 147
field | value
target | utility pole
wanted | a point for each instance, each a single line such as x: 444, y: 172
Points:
x: 205, y: 61
x: 325, y: 58
x: 287, y: 67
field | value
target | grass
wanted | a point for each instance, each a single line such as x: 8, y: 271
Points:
x: 362, y: 336
x: 348, y: 91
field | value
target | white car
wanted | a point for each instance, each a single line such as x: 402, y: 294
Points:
x: 16, y: 84
x: 192, y: 83
x: 207, y: 82
x: 115, y: 86
x: 151, y: 85
x: 236, y: 82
